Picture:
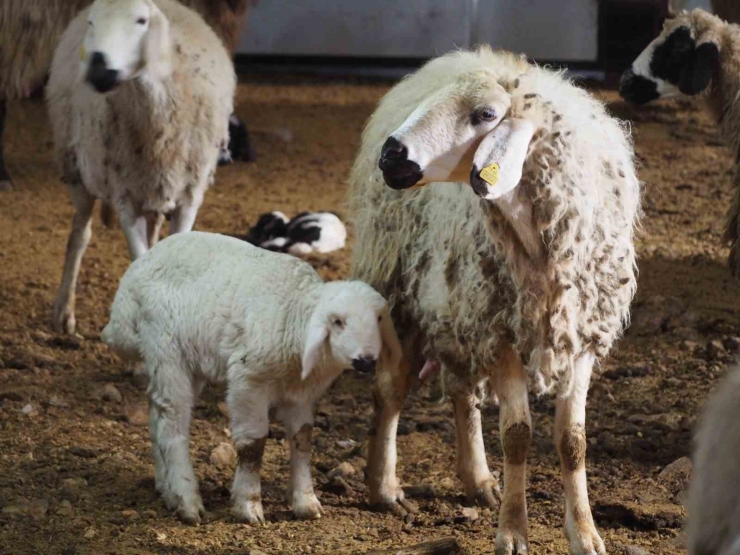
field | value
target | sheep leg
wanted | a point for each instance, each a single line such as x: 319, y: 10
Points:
x: 298, y: 422
x: 248, y: 407
x: 183, y: 218
x: 171, y: 402
x: 570, y: 439
x: 510, y: 383
x: 64, y: 306
x: 388, y: 395
x: 481, y: 486
x: 154, y: 222
x: 135, y: 230
x: 5, y: 182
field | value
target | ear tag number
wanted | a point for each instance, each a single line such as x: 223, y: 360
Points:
x: 489, y: 174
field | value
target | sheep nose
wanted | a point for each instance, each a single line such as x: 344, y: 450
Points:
x: 398, y: 171
x: 637, y: 89
x: 479, y: 186
x: 98, y: 74
x: 364, y: 364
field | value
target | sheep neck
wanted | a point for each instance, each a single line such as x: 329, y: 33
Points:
x: 518, y: 214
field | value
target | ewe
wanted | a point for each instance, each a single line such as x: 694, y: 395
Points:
x: 533, y: 282
x: 696, y: 54
x: 201, y: 307
x: 150, y: 146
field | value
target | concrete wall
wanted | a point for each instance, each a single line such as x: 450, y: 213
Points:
x: 546, y: 29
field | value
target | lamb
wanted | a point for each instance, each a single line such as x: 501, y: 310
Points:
x: 714, y: 499
x: 308, y: 232
x: 696, y: 54
x: 150, y: 148
x: 202, y: 307
x: 31, y: 32
x: 533, y: 282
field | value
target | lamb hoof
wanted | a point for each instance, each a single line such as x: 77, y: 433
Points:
x: 396, y: 505
x: 64, y: 319
x: 488, y: 494
x: 511, y: 543
x: 307, y: 509
x: 588, y: 542
x: 250, y: 512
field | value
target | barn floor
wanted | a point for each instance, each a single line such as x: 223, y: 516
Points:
x: 76, y: 473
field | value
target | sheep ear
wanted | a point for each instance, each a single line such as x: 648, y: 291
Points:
x: 499, y: 161
x: 157, y: 48
x: 316, y: 336
x: 697, y: 72
x: 392, y: 352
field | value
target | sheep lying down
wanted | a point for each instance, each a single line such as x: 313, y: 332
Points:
x: 201, y: 307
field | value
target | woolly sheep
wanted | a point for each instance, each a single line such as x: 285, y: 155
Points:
x: 535, y: 281
x: 201, y: 307
x: 150, y: 147
x: 696, y: 54
x: 31, y: 32
x: 714, y: 498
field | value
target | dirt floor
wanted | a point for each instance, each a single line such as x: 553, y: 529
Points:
x: 76, y: 472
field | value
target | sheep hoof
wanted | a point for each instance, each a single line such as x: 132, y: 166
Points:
x: 511, y: 543
x: 588, y: 542
x: 64, y: 319
x: 250, y: 512
x: 398, y: 505
x: 488, y: 495
x: 190, y: 515
x: 308, y: 509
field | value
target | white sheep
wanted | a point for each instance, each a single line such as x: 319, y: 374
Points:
x: 31, y: 30
x: 201, y: 307
x: 149, y: 147
x: 536, y: 280
x: 696, y: 54
x: 714, y: 497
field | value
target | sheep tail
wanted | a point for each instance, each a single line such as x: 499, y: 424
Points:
x: 121, y: 333
x: 107, y: 215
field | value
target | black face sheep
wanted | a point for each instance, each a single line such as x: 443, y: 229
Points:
x: 531, y: 281
x: 31, y: 30
x: 307, y: 232
x: 201, y: 307
x: 696, y: 54
x: 139, y: 97
x: 714, y: 496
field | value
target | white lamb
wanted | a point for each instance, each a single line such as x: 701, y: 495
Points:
x: 530, y: 280
x: 150, y: 146
x: 201, y: 307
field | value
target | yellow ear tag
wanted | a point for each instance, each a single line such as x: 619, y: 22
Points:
x: 489, y: 174
x: 83, y: 53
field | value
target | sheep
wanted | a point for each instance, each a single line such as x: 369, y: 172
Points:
x: 31, y: 32
x: 201, y: 307
x: 148, y: 148
x: 696, y: 55
x: 308, y: 232
x: 714, y: 499
x: 536, y: 282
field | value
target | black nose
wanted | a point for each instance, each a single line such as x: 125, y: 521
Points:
x: 363, y: 364
x: 398, y: 171
x: 98, y: 74
x: 479, y: 186
x: 637, y: 89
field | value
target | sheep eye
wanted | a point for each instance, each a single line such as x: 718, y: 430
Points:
x: 485, y: 114
x: 141, y: 21
x: 89, y: 23
x: 380, y: 318
x: 338, y: 323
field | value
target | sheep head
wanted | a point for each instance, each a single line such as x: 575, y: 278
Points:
x: 125, y: 39
x: 355, y: 321
x: 682, y: 60
x: 438, y: 140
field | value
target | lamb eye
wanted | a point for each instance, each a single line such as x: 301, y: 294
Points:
x: 338, y: 323
x: 141, y: 21
x: 379, y: 319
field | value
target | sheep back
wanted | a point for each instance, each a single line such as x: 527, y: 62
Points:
x: 152, y: 143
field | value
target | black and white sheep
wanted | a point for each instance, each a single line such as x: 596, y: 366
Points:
x: 201, y: 307
x: 697, y: 55
x: 535, y: 280
x: 150, y: 147
x: 308, y: 232
x: 31, y: 30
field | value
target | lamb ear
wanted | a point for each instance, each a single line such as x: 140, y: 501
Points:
x: 157, y: 48
x: 315, y: 338
x: 392, y: 352
x: 499, y: 161
x: 696, y: 74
